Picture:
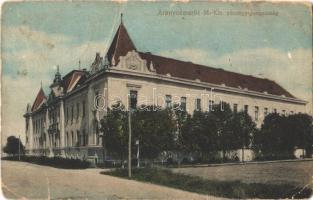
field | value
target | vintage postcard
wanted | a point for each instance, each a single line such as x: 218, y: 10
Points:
x: 156, y: 100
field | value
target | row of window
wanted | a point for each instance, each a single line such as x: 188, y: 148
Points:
x: 72, y: 140
x: 54, y: 114
x: 183, y: 100
x: 54, y: 140
x: 183, y: 103
x: 38, y: 125
x: 266, y: 111
x: 70, y: 110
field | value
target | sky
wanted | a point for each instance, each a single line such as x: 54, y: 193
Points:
x: 38, y: 36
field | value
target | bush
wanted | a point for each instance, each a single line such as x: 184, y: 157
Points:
x: 170, y: 161
x: 57, y: 162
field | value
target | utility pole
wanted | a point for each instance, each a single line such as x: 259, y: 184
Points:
x: 19, y: 148
x: 129, y: 138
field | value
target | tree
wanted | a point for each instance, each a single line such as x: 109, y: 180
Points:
x: 275, y: 140
x: 155, y: 129
x: 199, y: 134
x: 182, y: 120
x: 14, y: 146
x: 243, y: 131
x: 115, y: 130
x: 223, y: 116
x: 300, y: 125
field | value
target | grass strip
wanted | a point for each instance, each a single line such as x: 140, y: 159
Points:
x: 57, y: 162
x: 228, y: 189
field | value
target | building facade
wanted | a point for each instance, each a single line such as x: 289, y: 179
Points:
x: 66, y: 122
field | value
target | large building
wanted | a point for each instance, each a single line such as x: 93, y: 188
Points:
x: 66, y: 122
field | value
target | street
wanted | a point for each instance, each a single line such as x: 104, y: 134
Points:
x: 24, y: 180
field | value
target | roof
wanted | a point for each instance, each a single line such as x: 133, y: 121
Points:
x: 191, y: 71
x: 120, y: 45
x: 40, y: 99
x: 72, y: 79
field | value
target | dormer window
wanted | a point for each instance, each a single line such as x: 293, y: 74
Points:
x: 152, y: 69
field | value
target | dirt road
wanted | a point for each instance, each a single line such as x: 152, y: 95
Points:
x: 24, y: 180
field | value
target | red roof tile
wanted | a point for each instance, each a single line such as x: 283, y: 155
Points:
x: 191, y: 71
x: 120, y: 45
x: 40, y: 98
x: 71, y: 79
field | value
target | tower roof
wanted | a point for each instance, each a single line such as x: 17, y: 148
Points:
x: 120, y: 45
x: 40, y: 98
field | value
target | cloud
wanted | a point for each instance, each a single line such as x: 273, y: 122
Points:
x: 190, y: 54
x: 17, y: 37
x: 292, y: 69
x: 38, y: 52
x: 16, y: 93
x: 30, y: 56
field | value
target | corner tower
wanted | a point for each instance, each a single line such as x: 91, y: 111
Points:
x: 120, y: 45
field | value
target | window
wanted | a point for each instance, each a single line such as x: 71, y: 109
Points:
x: 210, y: 106
x: 183, y: 101
x: 84, y: 107
x: 223, y: 104
x: 84, y: 138
x: 72, y: 141
x: 72, y: 113
x: 133, y: 99
x: 77, y: 110
x: 66, y: 139
x: 235, y: 107
x: 168, y: 101
x: 265, y: 111
x: 256, y: 113
x: 97, y: 100
x: 78, y: 138
x: 246, y: 108
x: 198, y: 104
x: 67, y: 116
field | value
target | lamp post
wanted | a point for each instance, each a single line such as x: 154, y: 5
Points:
x: 129, y: 138
x: 19, y: 148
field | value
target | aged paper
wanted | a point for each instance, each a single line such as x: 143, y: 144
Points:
x: 156, y: 100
